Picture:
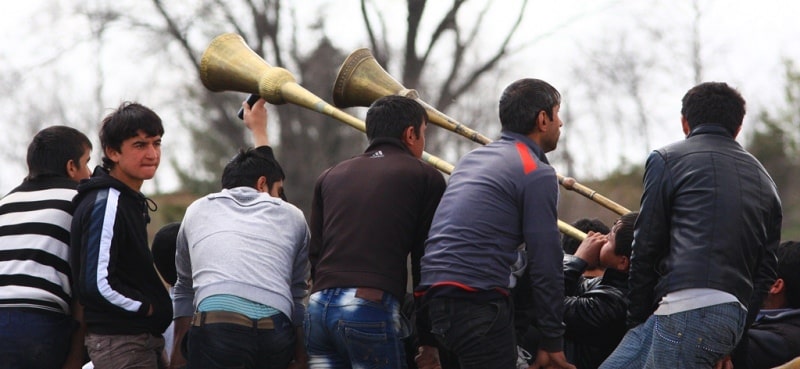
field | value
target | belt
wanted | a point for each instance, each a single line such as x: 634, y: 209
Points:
x: 213, y: 317
x: 371, y: 294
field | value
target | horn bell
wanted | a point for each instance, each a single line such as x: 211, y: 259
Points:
x: 228, y: 64
x: 361, y: 80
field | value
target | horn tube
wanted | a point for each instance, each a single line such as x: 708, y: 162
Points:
x: 228, y: 64
x: 361, y: 81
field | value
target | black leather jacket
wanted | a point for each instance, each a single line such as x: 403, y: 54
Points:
x: 710, y: 217
x: 594, y: 313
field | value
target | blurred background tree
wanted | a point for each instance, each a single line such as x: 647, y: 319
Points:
x: 72, y: 62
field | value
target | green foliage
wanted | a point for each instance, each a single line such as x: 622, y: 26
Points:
x: 775, y: 144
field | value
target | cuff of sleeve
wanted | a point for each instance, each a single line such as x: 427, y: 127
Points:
x: 576, y: 263
x: 427, y: 339
x: 144, y: 309
x: 298, y: 314
x: 552, y: 344
x: 182, y: 308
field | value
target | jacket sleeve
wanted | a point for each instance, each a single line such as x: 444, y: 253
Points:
x: 767, y: 271
x: 435, y: 186
x: 183, y: 292
x: 316, y: 225
x: 300, y: 275
x: 434, y: 190
x: 651, y: 239
x: 99, y: 245
x: 545, y: 256
x: 573, y: 274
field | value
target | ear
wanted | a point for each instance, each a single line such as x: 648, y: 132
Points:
x: 72, y: 169
x: 777, y: 287
x: 685, y: 124
x: 261, y: 184
x: 112, y: 154
x: 409, y: 136
x: 624, y: 264
x: 541, y: 121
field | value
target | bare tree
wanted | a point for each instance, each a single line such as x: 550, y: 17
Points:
x: 308, y: 142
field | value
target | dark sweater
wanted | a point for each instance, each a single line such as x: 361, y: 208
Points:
x: 368, y: 214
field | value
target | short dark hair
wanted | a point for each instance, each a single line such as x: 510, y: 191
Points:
x: 522, y: 101
x: 714, y: 103
x: 52, y: 148
x: 570, y: 244
x: 126, y: 122
x: 623, y: 239
x: 164, y: 244
x: 789, y: 270
x: 390, y: 115
x: 248, y: 165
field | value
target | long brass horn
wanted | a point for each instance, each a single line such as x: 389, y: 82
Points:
x: 228, y: 64
x: 361, y: 81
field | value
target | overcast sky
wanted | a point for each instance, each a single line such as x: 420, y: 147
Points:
x: 743, y: 43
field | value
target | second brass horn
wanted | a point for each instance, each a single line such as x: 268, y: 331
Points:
x: 361, y: 80
x: 228, y: 64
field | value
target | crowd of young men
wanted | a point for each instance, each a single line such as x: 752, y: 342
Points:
x: 681, y: 283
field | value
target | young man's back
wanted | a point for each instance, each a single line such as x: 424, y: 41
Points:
x: 36, y: 311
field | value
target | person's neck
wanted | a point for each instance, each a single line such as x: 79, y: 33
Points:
x: 774, y: 302
x: 134, y: 184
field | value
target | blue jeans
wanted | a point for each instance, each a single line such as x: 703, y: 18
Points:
x: 30, y: 339
x: 479, y: 333
x: 225, y: 345
x: 345, y: 331
x: 691, y: 339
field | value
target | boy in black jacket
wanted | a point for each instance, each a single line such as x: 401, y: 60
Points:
x: 126, y: 305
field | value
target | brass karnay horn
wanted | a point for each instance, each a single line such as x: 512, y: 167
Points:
x: 228, y: 64
x: 361, y: 81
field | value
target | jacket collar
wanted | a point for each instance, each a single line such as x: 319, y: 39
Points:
x: 513, y: 136
x: 384, y: 143
x: 615, y: 278
x: 710, y: 128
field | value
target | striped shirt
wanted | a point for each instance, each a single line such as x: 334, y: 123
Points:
x: 35, y: 221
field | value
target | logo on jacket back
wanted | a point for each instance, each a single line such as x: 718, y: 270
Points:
x: 376, y: 155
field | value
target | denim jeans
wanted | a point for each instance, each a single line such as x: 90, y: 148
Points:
x: 691, y: 339
x: 34, y: 340
x: 345, y: 331
x: 479, y: 333
x: 225, y: 345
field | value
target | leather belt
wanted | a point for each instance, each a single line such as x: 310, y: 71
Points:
x: 371, y: 294
x: 213, y: 317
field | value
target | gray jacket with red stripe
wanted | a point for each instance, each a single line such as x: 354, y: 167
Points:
x: 501, y: 196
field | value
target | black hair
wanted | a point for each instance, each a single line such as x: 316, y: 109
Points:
x: 789, y: 270
x: 714, y: 103
x: 390, y: 115
x: 570, y: 244
x: 164, y: 243
x: 623, y: 238
x: 248, y: 165
x: 126, y: 122
x: 52, y: 148
x: 522, y: 101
